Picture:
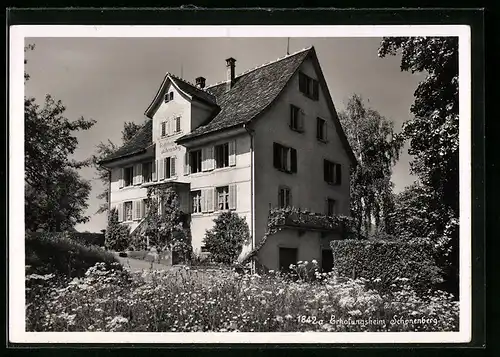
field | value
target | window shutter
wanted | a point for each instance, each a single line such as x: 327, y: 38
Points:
x: 338, y: 169
x: 204, y: 159
x: 172, y: 166
x: 302, y: 82
x: 161, y: 169
x: 325, y: 171
x: 138, y: 174
x: 210, y: 199
x: 120, y: 212
x: 134, y: 175
x: 232, y: 196
x: 315, y: 89
x: 300, y: 119
x: 154, y: 168
x: 120, y: 179
x: 210, y: 158
x: 138, y: 209
x: 134, y: 212
x: 276, y: 155
x: 203, y: 201
x: 186, y: 164
x: 232, y: 153
x: 289, y: 159
x: 293, y: 154
x: 143, y: 208
x: 325, y: 131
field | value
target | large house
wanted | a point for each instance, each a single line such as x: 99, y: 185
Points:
x: 269, y: 137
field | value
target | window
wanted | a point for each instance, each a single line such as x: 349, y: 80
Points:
x: 196, y: 201
x: 284, y: 197
x: 177, y: 122
x: 128, y: 210
x: 287, y: 256
x: 128, y: 176
x: 169, y: 97
x: 326, y: 260
x: 222, y: 198
x: 167, y: 166
x: 295, y: 118
x: 222, y: 155
x: 195, y: 161
x: 320, y: 129
x: 163, y: 129
x: 331, y: 207
x: 146, y: 203
x: 147, y: 171
x: 308, y: 86
x: 285, y: 158
x: 332, y: 172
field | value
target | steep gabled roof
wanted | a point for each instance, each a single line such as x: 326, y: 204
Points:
x: 137, y: 144
x: 252, y: 92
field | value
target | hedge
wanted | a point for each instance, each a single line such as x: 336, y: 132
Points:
x: 387, y: 261
x: 57, y: 253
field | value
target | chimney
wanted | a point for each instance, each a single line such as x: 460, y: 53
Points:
x: 230, y: 63
x: 200, y: 82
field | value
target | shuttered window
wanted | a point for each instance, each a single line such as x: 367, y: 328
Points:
x: 222, y: 155
x: 284, y: 158
x: 332, y: 172
x: 196, y: 201
x: 308, y: 86
x: 163, y: 128
x: 128, y: 176
x: 195, y: 161
x: 320, y: 129
x: 296, y: 119
x: 222, y: 198
x: 284, y: 197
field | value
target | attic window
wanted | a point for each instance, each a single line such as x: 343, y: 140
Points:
x: 308, y: 86
x: 169, y: 97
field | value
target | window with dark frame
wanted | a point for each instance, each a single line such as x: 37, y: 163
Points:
x: 284, y: 197
x: 222, y: 155
x: 284, y: 158
x: 169, y: 97
x: 167, y: 167
x: 222, y: 198
x: 128, y: 210
x: 332, y: 172
x: 177, y: 124
x: 320, y: 129
x: 308, y: 86
x: 196, y: 201
x: 331, y: 207
x: 295, y: 118
x: 195, y: 161
x: 128, y: 176
x: 163, y: 129
x: 147, y: 172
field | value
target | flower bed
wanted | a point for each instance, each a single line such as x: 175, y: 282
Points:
x: 187, y: 300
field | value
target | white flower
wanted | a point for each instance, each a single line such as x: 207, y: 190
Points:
x: 314, y: 261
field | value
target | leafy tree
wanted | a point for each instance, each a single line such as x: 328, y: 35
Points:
x: 56, y: 196
x: 372, y: 139
x: 433, y: 138
x: 225, y: 240
x: 130, y: 129
x: 117, y: 235
x: 165, y: 226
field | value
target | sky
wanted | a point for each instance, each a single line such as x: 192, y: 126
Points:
x: 113, y: 80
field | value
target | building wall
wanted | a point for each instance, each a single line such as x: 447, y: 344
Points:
x: 309, y: 190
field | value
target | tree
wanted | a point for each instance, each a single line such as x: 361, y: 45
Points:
x: 130, y: 129
x: 225, y: 240
x: 117, y: 235
x: 55, y: 194
x: 166, y: 227
x: 433, y: 136
x: 372, y: 140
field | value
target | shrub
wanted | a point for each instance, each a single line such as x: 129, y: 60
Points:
x: 117, y: 235
x: 384, y: 262
x: 56, y: 253
x: 225, y: 240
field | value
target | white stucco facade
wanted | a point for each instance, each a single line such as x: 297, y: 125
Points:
x: 252, y: 181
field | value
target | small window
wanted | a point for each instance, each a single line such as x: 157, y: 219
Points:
x: 147, y: 171
x: 167, y: 166
x: 177, y: 124
x: 195, y: 161
x: 222, y: 155
x: 331, y: 209
x: 196, y: 201
x: 332, y: 172
x: 287, y: 256
x: 169, y: 97
x: 320, y: 129
x: 295, y: 120
x: 223, y: 198
x: 308, y: 86
x: 164, y: 129
x: 284, y: 197
x: 128, y: 210
x: 285, y: 158
x: 128, y: 174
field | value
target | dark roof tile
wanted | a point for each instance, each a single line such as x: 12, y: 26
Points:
x: 194, y: 91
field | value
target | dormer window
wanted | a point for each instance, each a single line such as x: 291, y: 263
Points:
x: 169, y: 97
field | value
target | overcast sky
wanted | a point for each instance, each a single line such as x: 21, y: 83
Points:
x: 113, y: 80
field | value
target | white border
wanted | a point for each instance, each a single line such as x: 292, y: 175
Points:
x: 16, y: 193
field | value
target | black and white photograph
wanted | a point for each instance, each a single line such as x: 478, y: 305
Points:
x: 241, y: 182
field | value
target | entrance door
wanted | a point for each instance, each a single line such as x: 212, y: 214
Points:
x: 326, y: 260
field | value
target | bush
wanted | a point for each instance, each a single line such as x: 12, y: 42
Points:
x: 57, y: 253
x: 225, y: 240
x: 384, y: 262
x: 117, y: 235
